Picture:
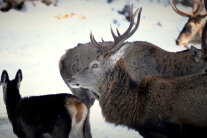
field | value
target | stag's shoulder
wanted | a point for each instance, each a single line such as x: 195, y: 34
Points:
x: 144, y: 46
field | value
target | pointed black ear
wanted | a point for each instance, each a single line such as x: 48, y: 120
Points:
x: 195, y: 53
x: 19, y: 76
x: 4, y: 77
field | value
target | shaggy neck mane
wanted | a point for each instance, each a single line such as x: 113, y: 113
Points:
x: 119, y: 97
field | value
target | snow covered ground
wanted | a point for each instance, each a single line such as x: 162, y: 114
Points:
x: 35, y: 38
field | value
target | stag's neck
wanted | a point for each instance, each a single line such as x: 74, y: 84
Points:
x: 11, y: 99
x: 119, y: 100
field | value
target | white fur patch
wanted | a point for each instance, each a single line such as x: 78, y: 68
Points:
x: 119, y: 54
x: 77, y: 127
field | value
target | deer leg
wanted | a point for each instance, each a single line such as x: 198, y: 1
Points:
x: 62, y: 127
x: 88, y: 100
x: 87, y: 127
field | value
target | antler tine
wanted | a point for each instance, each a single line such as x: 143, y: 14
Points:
x: 96, y: 43
x: 118, y: 32
x: 131, y: 22
x: 178, y: 11
x: 199, y: 8
x: 120, y: 37
x: 194, y: 5
x: 135, y: 13
x: 120, y: 41
x: 112, y: 33
x: 137, y: 25
x: 106, y: 45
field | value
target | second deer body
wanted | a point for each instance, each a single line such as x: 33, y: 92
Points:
x: 53, y: 116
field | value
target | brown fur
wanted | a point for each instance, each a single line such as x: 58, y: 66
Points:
x: 191, y: 32
x: 160, y: 105
x: 80, y: 111
x: 192, y: 35
x: 76, y: 108
x: 141, y: 58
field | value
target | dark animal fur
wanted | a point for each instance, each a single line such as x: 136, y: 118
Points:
x: 141, y: 58
x: 44, y: 114
x: 33, y: 117
x: 158, y: 107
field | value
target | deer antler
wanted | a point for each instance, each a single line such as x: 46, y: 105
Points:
x: 199, y: 7
x: 195, y: 12
x: 119, y: 39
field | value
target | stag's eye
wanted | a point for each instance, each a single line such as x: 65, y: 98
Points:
x: 95, y: 65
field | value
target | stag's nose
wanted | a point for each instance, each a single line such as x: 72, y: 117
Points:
x: 73, y: 83
x: 70, y: 79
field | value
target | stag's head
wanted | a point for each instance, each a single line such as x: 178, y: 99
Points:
x: 95, y: 75
x: 194, y: 25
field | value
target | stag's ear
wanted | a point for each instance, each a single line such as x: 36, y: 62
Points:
x: 18, y: 76
x: 195, y: 53
x: 4, y: 77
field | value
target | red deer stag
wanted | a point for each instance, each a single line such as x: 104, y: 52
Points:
x: 54, y: 116
x: 192, y: 31
x: 158, y: 107
x: 141, y: 58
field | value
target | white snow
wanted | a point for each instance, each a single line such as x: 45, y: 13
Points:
x: 34, y: 40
